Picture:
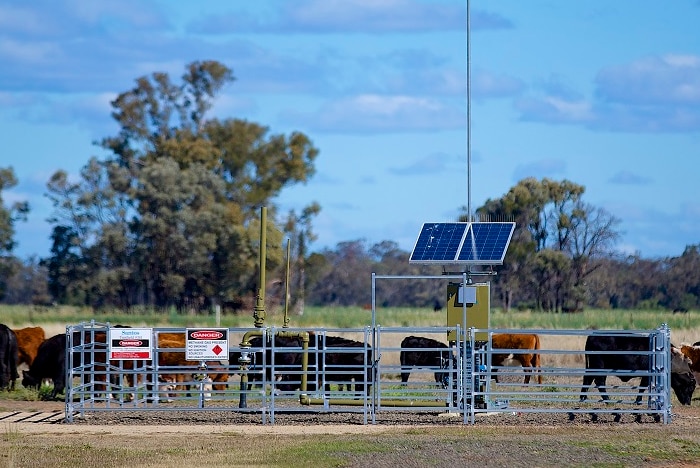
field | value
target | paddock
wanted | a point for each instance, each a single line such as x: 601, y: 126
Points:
x: 368, y: 390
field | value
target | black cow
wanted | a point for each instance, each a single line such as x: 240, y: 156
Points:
x: 8, y: 358
x: 340, y: 363
x: 335, y: 356
x: 331, y: 357
x: 285, y: 362
x: 682, y: 380
x: 49, y: 364
x: 419, y: 351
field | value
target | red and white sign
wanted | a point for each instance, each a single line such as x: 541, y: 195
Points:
x: 130, y: 343
x: 206, y: 344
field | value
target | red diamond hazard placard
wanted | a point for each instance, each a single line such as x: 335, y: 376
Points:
x: 206, y: 344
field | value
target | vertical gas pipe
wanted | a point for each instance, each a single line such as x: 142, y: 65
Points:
x: 259, y: 310
x: 286, y: 291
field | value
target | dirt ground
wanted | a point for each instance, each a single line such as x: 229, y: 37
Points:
x: 504, y: 439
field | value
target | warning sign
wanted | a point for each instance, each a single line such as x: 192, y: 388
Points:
x: 206, y: 344
x: 130, y: 343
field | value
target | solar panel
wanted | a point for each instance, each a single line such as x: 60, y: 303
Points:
x: 438, y: 242
x: 486, y: 243
x: 474, y: 243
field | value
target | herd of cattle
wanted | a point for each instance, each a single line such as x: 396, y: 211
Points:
x: 338, y: 359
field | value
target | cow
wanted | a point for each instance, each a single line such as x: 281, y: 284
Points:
x: 287, y: 363
x: 682, y: 380
x: 338, y: 362
x: 48, y: 364
x: 8, y: 358
x: 692, y: 352
x: 530, y: 361
x: 419, y: 351
x: 50, y: 361
x: 334, y: 356
x: 28, y: 341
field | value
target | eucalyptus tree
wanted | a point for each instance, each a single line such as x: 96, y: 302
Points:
x: 171, y: 217
x: 343, y: 276
x: 550, y: 215
x: 682, y: 280
x: 298, y: 227
x: 9, y: 216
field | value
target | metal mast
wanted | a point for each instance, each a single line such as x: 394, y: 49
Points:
x: 469, y: 118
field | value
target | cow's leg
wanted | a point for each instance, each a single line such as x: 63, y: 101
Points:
x: 587, y: 381
x: 600, y: 384
x: 643, y: 384
x: 404, y: 376
x: 166, y: 385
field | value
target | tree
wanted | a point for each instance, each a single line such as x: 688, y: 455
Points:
x: 682, y: 284
x: 9, y: 216
x: 299, y: 228
x: 28, y: 284
x: 170, y: 217
x: 346, y: 276
x: 550, y: 216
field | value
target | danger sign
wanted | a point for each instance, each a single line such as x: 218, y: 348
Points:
x: 130, y: 343
x: 206, y: 344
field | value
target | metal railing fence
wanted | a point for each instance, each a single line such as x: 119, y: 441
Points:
x: 272, y: 371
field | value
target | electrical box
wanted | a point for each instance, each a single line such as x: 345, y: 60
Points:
x: 477, y: 298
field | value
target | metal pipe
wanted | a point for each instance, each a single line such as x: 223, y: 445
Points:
x: 243, y: 363
x: 306, y: 400
x: 285, y: 323
x: 259, y: 310
x: 304, y: 355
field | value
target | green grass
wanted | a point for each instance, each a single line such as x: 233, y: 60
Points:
x: 356, y: 317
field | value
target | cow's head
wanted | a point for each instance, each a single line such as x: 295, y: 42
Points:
x: 682, y: 378
x: 29, y: 381
x: 684, y: 386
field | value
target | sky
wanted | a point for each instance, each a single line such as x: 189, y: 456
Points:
x: 415, y: 115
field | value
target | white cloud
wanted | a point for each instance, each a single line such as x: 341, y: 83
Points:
x: 371, y: 112
x: 658, y: 80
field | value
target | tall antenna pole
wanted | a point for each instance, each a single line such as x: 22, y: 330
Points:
x: 469, y: 118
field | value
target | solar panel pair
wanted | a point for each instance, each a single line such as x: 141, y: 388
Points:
x: 475, y: 243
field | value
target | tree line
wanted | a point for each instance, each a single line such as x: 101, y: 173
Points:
x: 171, y: 219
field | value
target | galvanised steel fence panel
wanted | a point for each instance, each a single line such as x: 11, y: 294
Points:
x: 333, y: 370
x: 563, y: 367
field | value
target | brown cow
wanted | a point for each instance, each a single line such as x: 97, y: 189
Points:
x: 28, y: 341
x: 217, y: 375
x: 692, y: 352
x: 515, y: 341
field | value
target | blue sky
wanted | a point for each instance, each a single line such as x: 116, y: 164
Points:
x: 603, y: 93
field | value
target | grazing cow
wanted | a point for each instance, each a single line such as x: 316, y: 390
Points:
x: 8, y: 358
x: 340, y: 364
x: 419, y: 351
x: 682, y: 380
x: 50, y: 361
x: 28, y: 341
x: 48, y: 364
x: 530, y: 361
x: 334, y: 356
x: 287, y: 363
